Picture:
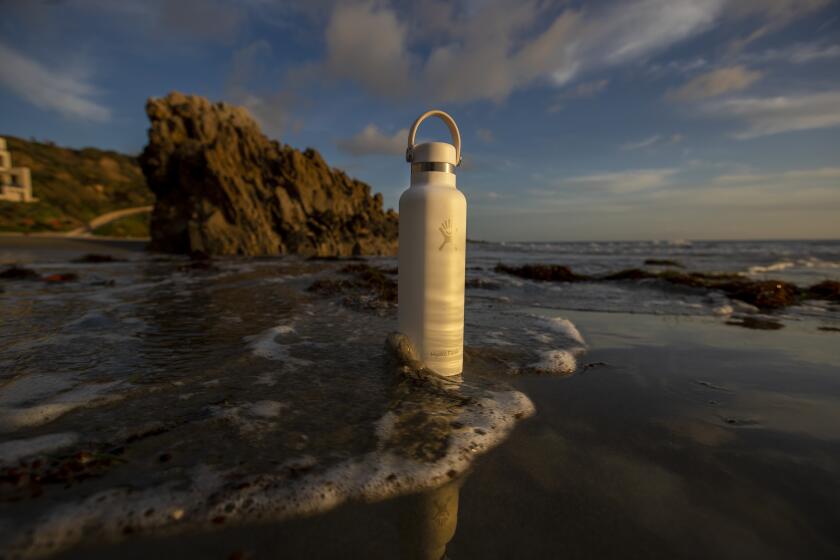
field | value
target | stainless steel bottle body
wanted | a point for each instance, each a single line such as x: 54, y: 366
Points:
x: 432, y: 263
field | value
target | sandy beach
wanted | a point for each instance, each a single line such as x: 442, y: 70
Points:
x: 648, y: 422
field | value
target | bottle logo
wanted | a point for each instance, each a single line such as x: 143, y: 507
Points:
x: 446, y: 231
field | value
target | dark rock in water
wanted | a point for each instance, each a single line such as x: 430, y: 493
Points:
x: 767, y: 294
x: 829, y: 329
x: 369, y: 288
x: 18, y: 273
x: 828, y: 289
x: 482, y: 284
x: 631, y: 274
x: 198, y: 255
x: 93, y: 258
x: 61, y: 277
x: 542, y: 272
x: 756, y: 323
x: 699, y: 279
x: 663, y: 262
x: 199, y: 260
x: 764, y: 294
x: 402, y: 350
x: 223, y: 188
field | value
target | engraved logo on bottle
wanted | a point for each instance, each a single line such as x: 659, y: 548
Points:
x: 446, y: 231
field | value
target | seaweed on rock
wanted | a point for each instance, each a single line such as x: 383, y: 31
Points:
x: 764, y: 294
x: 542, y: 272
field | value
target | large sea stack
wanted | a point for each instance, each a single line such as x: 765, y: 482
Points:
x: 223, y: 188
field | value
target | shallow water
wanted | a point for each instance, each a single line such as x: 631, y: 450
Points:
x: 181, y: 410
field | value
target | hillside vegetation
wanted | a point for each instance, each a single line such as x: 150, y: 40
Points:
x: 73, y: 187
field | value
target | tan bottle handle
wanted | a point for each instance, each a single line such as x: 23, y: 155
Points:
x: 453, y: 129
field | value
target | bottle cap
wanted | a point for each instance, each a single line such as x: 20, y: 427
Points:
x: 434, y: 156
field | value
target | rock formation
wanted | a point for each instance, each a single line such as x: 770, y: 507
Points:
x: 223, y: 188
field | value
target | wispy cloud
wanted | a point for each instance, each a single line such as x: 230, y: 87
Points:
x: 717, y: 82
x: 665, y: 203
x: 485, y: 135
x: 773, y: 115
x: 372, y: 141
x: 581, y: 91
x: 797, y: 53
x: 645, y: 143
x: 629, y: 181
x: 272, y: 109
x: 773, y: 14
x: 66, y: 92
x: 814, y: 175
x: 499, y: 47
x: 367, y: 43
x: 651, y: 141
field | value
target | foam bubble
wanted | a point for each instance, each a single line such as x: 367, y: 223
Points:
x: 267, y: 409
x: 723, y: 310
x: 775, y: 267
x: 556, y: 361
x: 566, y: 328
x: 299, y: 486
x: 16, y: 417
x: 265, y: 345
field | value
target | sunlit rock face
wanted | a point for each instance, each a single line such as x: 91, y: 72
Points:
x: 223, y: 188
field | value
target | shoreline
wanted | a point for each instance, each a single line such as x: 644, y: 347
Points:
x: 681, y: 428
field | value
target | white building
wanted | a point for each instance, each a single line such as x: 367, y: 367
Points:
x: 15, y: 182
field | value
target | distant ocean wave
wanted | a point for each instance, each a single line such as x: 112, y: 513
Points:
x: 798, y: 263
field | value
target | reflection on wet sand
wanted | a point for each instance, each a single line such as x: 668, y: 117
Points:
x: 429, y: 522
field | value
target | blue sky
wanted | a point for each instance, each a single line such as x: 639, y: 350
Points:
x: 625, y: 119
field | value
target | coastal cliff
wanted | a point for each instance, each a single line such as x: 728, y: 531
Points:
x: 223, y: 188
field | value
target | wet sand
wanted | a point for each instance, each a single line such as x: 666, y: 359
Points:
x: 16, y: 248
x: 667, y: 436
x: 696, y: 440
x: 684, y: 439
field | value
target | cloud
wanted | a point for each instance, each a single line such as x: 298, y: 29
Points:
x: 588, y: 89
x: 215, y: 21
x: 688, y: 66
x: 372, y: 141
x: 499, y: 47
x: 630, y: 181
x: 716, y: 82
x: 485, y: 135
x: 797, y: 53
x: 774, y: 15
x: 652, y: 141
x: 774, y: 115
x: 813, y: 175
x: 271, y: 109
x: 580, y: 91
x: 212, y: 20
x: 66, y: 92
x: 646, y: 143
x: 784, y: 204
x: 367, y: 44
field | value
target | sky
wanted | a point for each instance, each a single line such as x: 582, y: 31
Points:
x: 581, y: 120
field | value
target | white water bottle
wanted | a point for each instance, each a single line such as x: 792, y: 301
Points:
x: 432, y: 252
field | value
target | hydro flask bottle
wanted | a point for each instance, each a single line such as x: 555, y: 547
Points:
x: 432, y: 252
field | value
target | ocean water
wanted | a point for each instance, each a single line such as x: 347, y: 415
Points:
x: 801, y: 262
x: 155, y: 406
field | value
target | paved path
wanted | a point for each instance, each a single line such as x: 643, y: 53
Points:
x: 100, y: 221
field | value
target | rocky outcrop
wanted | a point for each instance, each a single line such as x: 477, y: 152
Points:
x: 766, y: 295
x: 223, y: 188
